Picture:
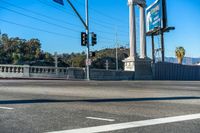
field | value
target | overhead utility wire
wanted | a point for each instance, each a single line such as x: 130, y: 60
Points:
x: 46, y: 21
x: 93, y: 20
x: 125, y: 33
x: 47, y: 4
x: 41, y: 20
x: 110, y: 27
x: 36, y: 13
x: 103, y: 14
x: 38, y: 29
x: 98, y: 24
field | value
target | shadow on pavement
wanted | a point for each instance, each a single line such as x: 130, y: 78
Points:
x: 32, y: 101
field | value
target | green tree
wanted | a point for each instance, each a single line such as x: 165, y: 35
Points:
x: 180, y: 53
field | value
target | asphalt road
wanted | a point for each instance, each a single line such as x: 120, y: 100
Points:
x: 38, y: 106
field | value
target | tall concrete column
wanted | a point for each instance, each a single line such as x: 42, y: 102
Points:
x: 132, y: 29
x: 143, y: 51
x: 131, y: 62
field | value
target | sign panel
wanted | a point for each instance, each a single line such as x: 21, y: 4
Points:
x: 154, y: 16
x: 59, y: 2
x: 88, y: 62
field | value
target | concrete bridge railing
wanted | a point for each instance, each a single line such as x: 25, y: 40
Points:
x: 8, y: 71
x: 26, y: 71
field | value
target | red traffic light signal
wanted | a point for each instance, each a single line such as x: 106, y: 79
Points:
x: 84, y: 39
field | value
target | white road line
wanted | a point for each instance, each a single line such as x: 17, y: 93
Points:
x: 6, y: 108
x: 101, y: 119
x: 120, y: 126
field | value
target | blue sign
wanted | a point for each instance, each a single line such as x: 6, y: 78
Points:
x: 59, y: 2
x: 154, y: 16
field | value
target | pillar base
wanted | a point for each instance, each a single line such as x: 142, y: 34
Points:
x: 143, y: 69
x: 129, y: 64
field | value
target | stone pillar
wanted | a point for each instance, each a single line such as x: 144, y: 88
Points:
x: 130, y: 61
x: 132, y: 29
x: 143, y: 52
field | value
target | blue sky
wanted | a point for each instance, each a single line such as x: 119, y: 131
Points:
x: 59, y: 29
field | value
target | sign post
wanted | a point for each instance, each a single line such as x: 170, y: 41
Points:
x: 156, y: 23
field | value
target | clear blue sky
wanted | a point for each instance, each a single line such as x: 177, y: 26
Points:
x: 59, y: 29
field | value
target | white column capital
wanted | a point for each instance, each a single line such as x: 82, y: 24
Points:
x: 137, y: 2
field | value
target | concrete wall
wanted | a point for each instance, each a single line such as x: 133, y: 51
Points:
x: 143, y: 70
x: 98, y: 74
x: 170, y: 71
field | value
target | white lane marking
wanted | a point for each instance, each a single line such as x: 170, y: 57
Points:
x: 6, y: 108
x: 101, y: 119
x: 120, y: 126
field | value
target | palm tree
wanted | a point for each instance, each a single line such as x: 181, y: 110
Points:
x: 180, y: 53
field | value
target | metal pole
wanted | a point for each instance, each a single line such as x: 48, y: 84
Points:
x: 107, y: 65
x: 88, y: 41
x: 162, y: 46
x: 86, y: 25
x: 117, y: 66
x: 0, y: 38
x: 153, y: 49
x: 56, y: 62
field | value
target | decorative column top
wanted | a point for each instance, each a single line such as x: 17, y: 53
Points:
x: 137, y: 2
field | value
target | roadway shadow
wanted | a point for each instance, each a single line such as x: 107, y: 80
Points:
x: 32, y: 101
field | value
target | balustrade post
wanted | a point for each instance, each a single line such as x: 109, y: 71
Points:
x: 26, y: 72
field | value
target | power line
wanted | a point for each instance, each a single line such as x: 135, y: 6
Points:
x: 106, y: 26
x: 125, y: 33
x: 103, y: 23
x: 37, y: 29
x: 111, y: 33
x: 60, y: 26
x: 113, y: 40
x: 41, y: 20
x: 48, y: 18
x: 101, y: 13
x: 47, y: 4
x: 50, y: 32
x: 36, y: 13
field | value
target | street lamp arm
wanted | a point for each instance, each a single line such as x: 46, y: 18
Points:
x: 72, y: 6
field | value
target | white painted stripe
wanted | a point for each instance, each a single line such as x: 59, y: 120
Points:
x: 6, y: 108
x: 101, y: 119
x: 120, y: 126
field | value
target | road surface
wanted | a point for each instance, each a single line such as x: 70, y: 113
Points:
x: 39, y: 106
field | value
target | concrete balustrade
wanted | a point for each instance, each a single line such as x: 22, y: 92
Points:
x: 26, y: 71
x: 7, y: 71
x: 48, y: 72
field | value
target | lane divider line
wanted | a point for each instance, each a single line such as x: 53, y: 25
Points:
x: 134, y: 124
x: 7, y: 108
x: 101, y: 119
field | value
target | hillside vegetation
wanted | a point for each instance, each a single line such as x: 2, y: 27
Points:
x: 14, y: 50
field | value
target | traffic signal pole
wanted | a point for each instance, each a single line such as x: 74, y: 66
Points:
x: 88, y: 41
x: 86, y: 25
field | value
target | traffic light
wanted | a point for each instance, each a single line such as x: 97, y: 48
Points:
x: 84, y: 39
x: 94, y: 39
x: 93, y: 54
